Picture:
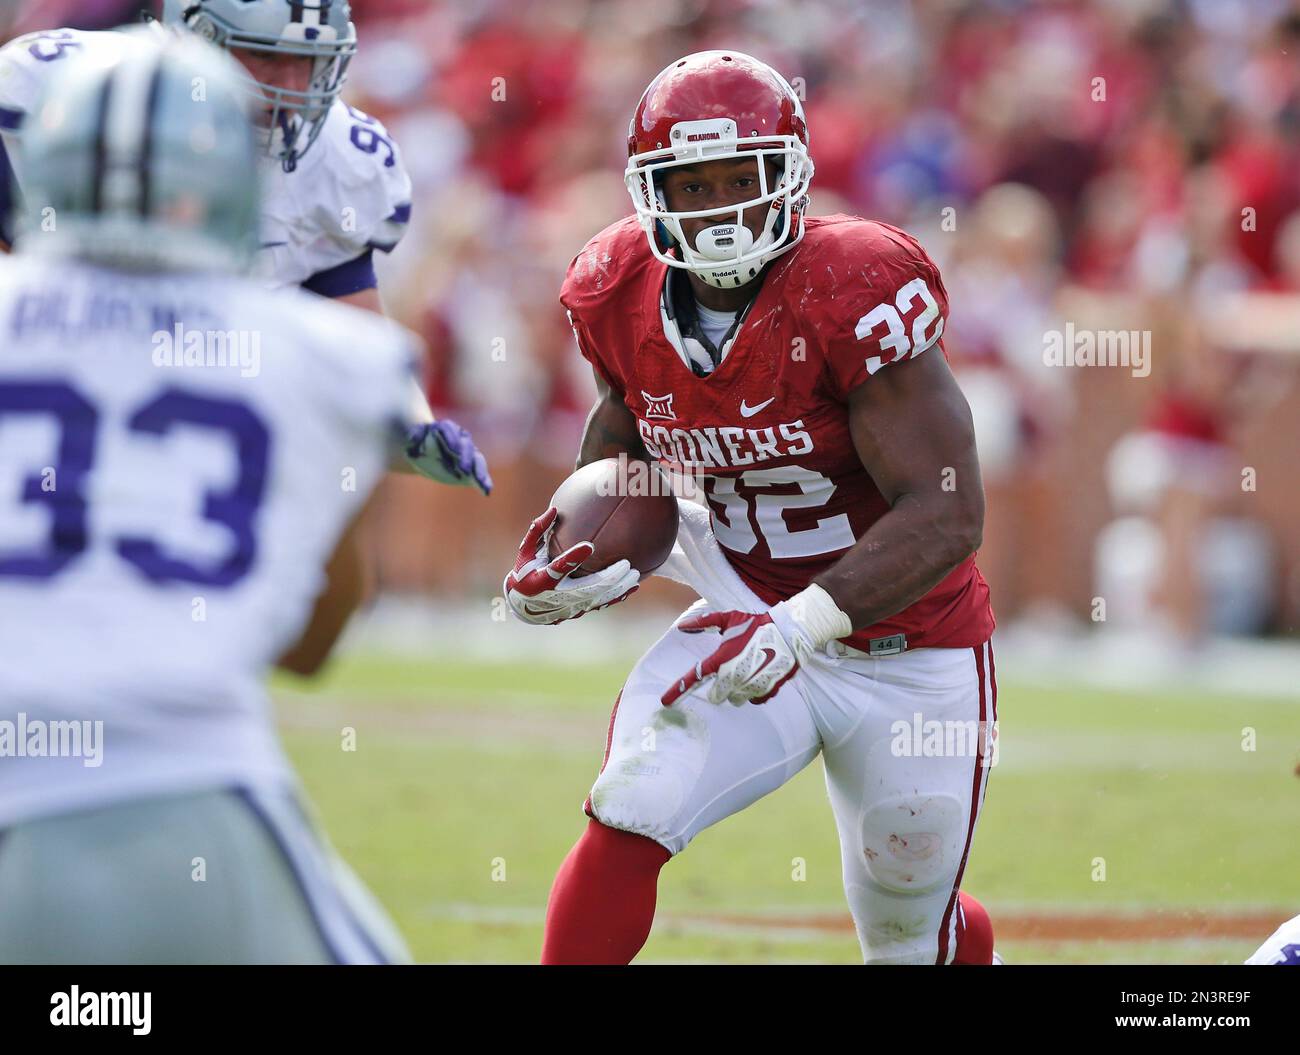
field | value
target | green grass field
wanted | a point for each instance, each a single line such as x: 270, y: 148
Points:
x: 464, y: 793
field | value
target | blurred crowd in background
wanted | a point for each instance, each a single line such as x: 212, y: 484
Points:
x: 1106, y: 165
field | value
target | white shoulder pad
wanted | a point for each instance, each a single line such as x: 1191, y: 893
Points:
x: 361, y: 364
x: 368, y: 202
x: 26, y: 64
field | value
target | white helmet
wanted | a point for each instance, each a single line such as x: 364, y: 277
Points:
x: 320, y: 30
x: 143, y: 160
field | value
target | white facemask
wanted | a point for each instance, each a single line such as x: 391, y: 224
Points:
x: 726, y: 254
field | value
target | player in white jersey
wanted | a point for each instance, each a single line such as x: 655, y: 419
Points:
x: 181, y: 455
x: 1282, y: 948
x: 335, y: 189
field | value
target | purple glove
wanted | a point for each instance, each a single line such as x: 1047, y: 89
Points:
x: 445, y: 452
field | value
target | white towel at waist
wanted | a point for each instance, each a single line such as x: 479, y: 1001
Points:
x: 697, y: 561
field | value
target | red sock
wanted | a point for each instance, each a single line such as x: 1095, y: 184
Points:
x: 974, y: 932
x: 603, y: 899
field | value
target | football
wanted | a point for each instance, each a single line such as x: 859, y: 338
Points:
x: 625, y: 509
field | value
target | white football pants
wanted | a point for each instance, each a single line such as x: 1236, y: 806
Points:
x: 907, y: 740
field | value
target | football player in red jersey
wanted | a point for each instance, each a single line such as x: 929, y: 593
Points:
x: 796, y: 366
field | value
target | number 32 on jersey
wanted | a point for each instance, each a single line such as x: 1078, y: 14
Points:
x: 896, y: 338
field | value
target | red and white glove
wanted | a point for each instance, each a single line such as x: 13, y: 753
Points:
x: 752, y: 664
x: 538, y: 589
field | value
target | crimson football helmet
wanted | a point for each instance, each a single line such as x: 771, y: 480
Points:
x: 711, y: 105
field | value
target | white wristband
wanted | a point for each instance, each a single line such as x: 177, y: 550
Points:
x: 816, y: 614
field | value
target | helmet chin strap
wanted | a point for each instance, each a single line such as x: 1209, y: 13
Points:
x: 724, y: 241
x: 727, y: 241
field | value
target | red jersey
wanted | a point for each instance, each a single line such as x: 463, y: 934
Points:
x: 768, y: 429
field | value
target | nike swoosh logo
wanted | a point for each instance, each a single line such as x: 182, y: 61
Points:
x: 770, y: 655
x: 746, y: 411
x: 273, y: 245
